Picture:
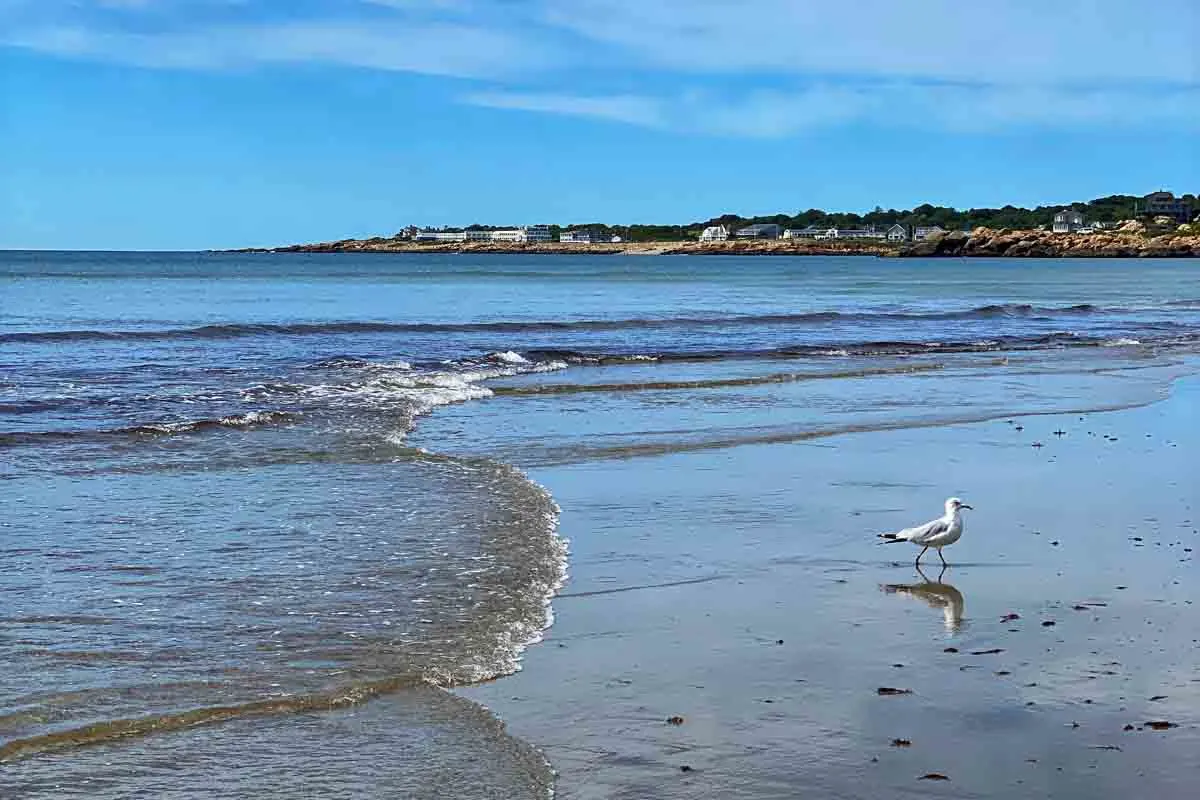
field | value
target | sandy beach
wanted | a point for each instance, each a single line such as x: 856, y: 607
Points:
x: 743, y: 653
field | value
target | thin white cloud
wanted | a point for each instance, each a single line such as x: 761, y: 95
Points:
x: 773, y: 114
x: 427, y: 48
x: 1028, y: 41
x: 643, y: 111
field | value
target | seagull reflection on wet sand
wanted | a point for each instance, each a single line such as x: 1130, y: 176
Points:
x: 936, y: 594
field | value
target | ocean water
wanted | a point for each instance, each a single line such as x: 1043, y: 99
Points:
x: 239, y: 535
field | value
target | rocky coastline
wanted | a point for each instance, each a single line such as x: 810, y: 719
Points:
x: 979, y: 243
x: 989, y: 243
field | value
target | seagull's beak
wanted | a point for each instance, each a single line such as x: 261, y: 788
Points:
x: 964, y: 505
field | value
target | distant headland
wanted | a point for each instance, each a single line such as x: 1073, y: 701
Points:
x: 1156, y: 225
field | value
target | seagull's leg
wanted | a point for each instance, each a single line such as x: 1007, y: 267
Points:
x: 918, y: 561
x: 942, y: 557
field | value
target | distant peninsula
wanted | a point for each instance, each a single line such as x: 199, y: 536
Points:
x: 1158, y: 225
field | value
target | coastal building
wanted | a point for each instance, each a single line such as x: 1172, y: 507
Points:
x: 479, y: 236
x: 440, y: 236
x: 897, y: 233
x: 523, y: 234
x: 923, y: 232
x: 583, y: 237
x: 811, y: 232
x: 1166, y: 204
x: 1067, y: 221
x: 854, y: 233
x: 759, y: 231
x: 715, y: 233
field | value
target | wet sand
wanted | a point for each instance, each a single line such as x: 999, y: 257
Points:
x: 743, y: 591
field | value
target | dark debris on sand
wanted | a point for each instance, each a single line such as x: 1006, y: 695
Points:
x: 1161, y: 725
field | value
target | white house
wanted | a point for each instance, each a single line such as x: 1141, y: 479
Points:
x: 715, y: 233
x: 1067, y: 221
x: 479, y: 236
x: 923, y: 232
x: 897, y: 233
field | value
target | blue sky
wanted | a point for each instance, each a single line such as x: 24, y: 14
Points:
x: 162, y: 124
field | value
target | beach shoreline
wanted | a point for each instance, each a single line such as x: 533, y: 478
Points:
x: 745, y: 656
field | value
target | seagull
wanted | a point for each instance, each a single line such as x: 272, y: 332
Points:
x: 942, y: 531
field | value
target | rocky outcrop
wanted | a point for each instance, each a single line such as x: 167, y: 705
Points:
x: 981, y: 242
x: 986, y: 242
x: 735, y: 247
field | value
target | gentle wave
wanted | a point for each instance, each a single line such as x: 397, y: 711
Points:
x: 531, y: 553
x: 236, y: 330
x: 247, y: 421
x: 1050, y: 341
x: 716, y: 383
x: 394, y: 385
x: 112, y: 730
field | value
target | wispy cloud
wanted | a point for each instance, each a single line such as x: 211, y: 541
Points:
x: 645, y: 111
x: 1028, y: 41
x: 422, y: 36
x: 757, y: 68
x: 773, y: 114
x: 430, y: 48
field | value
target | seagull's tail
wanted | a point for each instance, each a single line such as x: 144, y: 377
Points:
x: 890, y: 538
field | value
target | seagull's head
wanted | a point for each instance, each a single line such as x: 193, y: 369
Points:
x: 954, y: 505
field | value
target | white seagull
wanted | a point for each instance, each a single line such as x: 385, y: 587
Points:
x: 945, y: 530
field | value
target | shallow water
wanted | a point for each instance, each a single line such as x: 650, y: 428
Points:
x: 233, y: 502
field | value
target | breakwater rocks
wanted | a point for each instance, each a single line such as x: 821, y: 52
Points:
x: 986, y: 242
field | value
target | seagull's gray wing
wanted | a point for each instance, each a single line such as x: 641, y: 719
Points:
x: 923, y: 533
